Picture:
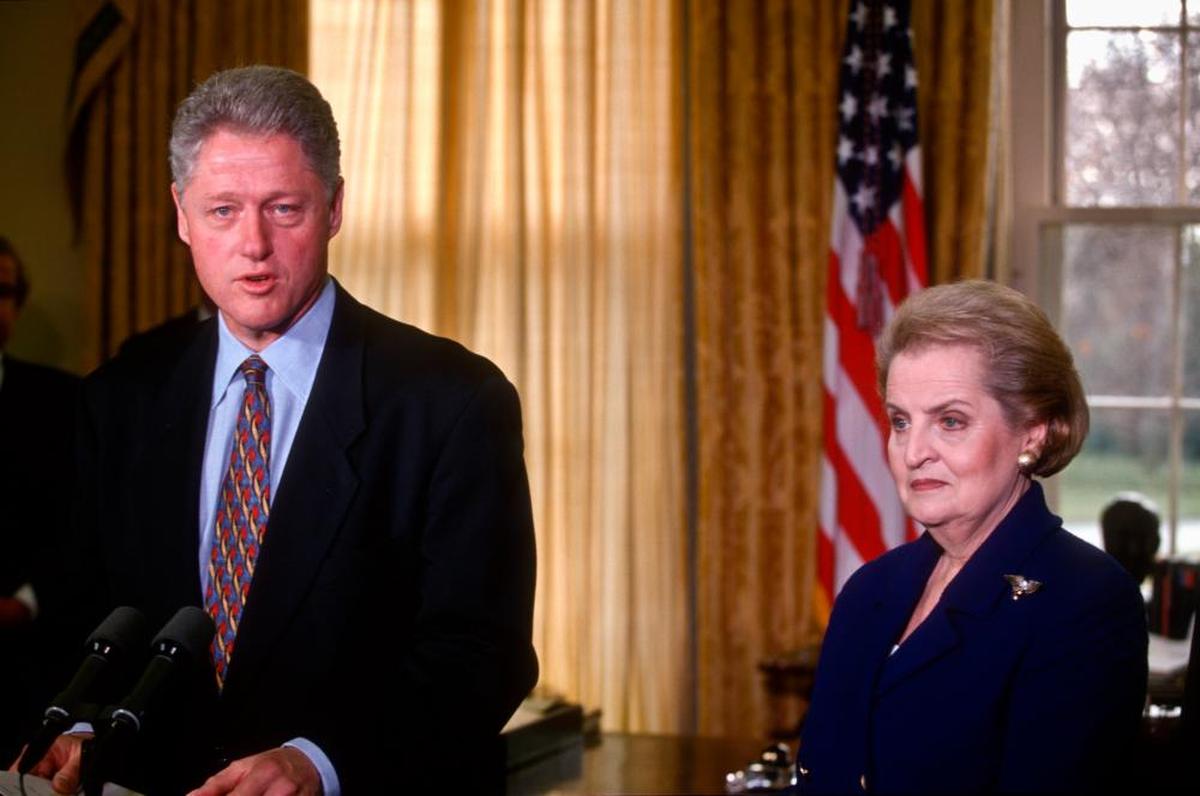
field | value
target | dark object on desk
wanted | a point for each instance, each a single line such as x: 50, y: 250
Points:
x: 539, y: 731
x: 1129, y: 524
x: 1191, y: 697
x: 1172, y: 733
x: 1173, y: 602
x: 772, y: 772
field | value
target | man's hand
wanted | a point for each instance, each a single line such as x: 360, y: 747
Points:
x: 279, y: 772
x: 61, y: 763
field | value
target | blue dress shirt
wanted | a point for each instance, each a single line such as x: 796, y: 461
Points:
x: 292, y: 362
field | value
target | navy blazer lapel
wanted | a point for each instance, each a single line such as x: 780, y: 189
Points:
x: 173, y: 457
x: 935, y: 637
x: 976, y: 590
x: 981, y: 584
x: 315, y: 491
x: 931, y: 639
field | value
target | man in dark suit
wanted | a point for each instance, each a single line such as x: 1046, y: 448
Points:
x: 36, y: 416
x: 345, y: 494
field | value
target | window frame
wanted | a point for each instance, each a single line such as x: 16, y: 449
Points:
x: 1036, y: 133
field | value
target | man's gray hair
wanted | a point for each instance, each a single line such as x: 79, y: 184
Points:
x: 259, y: 100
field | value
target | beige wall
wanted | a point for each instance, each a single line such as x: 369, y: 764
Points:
x: 36, y: 47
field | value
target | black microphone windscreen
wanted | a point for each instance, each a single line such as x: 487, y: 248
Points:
x: 108, y: 650
x: 191, y: 628
x: 125, y: 628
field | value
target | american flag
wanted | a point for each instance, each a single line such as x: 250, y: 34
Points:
x: 876, y: 258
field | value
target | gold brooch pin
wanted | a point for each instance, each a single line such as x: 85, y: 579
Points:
x: 1022, y: 586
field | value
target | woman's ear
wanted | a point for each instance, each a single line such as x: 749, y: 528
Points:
x: 1036, y: 436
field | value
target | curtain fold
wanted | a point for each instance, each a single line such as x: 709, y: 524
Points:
x: 513, y: 181
x: 952, y: 47
x: 136, y: 60
x: 762, y: 130
x: 763, y: 80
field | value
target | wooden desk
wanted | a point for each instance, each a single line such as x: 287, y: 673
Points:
x: 645, y: 764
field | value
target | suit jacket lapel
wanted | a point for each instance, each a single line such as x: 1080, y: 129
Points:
x: 314, y: 493
x: 896, y: 605
x: 975, y: 591
x: 935, y: 637
x: 178, y: 424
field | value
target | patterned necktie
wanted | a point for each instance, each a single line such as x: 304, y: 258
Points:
x: 243, y: 507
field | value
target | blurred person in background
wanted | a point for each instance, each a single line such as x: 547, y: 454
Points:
x: 36, y: 419
x: 997, y: 652
x: 1129, y: 525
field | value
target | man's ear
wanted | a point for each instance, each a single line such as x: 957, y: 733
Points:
x: 335, y: 208
x: 181, y: 222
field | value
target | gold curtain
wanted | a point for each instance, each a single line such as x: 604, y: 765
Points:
x: 763, y: 87
x: 952, y: 47
x: 559, y: 185
x: 138, y: 60
x: 763, y: 80
x: 513, y: 181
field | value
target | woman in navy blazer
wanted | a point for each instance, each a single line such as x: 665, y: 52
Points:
x: 997, y: 652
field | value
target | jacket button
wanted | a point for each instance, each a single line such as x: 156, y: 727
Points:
x: 862, y: 782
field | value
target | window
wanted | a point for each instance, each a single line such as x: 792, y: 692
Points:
x: 1112, y: 218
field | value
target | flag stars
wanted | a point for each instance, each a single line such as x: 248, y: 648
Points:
x: 877, y: 107
x: 877, y: 112
x: 854, y: 60
x: 883, y: 65
x: 889, y: 17
x: 863, y: 199
x: 845, y: 150
x: 859, y: 15
x: 848, y: 107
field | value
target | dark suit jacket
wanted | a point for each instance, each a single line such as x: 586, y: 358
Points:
x: 389, y: 620
x: 1043, y: 693
x: 36, y: 423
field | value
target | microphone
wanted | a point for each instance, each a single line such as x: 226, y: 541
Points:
x: 182, y: 641
x: 108, y: 645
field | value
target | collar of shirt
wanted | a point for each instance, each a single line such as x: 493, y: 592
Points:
x: 292, y: 358
x: 292, y: 361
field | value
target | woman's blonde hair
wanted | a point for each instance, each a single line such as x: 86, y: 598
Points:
x: 1028, y: 369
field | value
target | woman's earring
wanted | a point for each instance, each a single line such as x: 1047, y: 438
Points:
x: 1026, y: 460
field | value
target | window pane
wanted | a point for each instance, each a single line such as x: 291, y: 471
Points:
x: 1188, y: 539
x: 1122, y: 117
x: 1192, y: 175
x: 1190, y: 301
x: 1126, y: 450
x: 1122, y: 13
x: 1116, y: 307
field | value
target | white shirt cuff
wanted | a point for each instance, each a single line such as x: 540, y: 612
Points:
x: 28, y: 597
x: 329, y: 779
